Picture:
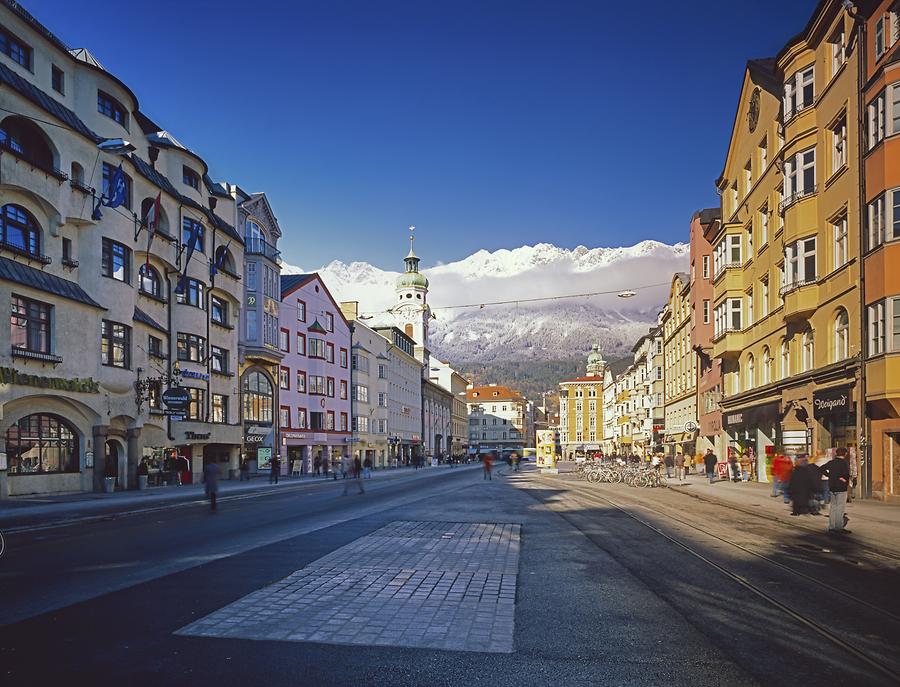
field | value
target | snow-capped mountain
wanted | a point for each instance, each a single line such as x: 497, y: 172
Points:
x: 559, y: 329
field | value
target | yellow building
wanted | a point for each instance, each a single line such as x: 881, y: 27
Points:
x: 581, y: 409
x: 786, y: 307
x: 680, y: 369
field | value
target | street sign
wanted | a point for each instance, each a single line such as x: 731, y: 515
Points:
x: 690, y: 426
x: 176, y: 398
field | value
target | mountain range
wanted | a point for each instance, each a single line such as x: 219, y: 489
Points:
x: 502, y: 322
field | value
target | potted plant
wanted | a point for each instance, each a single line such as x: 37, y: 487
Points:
x: 142, y: 473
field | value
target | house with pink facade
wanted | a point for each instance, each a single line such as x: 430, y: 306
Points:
x: 314, y: 377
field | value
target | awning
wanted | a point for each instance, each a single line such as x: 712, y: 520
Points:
x: 767, y: 413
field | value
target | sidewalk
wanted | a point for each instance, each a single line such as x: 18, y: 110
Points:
x: 873, y: 523
x: 53, y: 509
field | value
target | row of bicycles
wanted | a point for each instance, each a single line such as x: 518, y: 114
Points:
x: 632, y: 475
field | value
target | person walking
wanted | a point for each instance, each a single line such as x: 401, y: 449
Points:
x: 355, y: 476
x: 689, y: 463
x: 317, y: 465
x: 779, y: 467
x: 734, y: 468
x: 745, y: 466
x: 710, y: 461
x: 367, y: 468
x: 514, y: 459
x: 211, y: 483
x: 803, y: 486
x: 679, y: 467
x: 275, y: 465
x: 837, y: 470
x: 487, y: 463
x: 671, y: 462
x: 245, y: 471
x: 325, y: 466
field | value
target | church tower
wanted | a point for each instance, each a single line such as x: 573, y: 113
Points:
x: 411, y: 308
x: 596, y: 365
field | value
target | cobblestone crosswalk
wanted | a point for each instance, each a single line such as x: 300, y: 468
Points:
x: 437, y: 585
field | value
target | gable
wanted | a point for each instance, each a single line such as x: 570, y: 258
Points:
x: 258, y: 206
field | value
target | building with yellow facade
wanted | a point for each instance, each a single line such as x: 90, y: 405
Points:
x: 581, y: 409
x: 786, y: 304
x: 680, y: 369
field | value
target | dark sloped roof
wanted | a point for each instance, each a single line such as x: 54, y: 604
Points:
x: 13, y: 271
x: 214, y: 188
x: 707, y: 215
x: 45, y: 102
x: 763, y: 72
x: 144, y: 318
x: 289, y: 282
x: 317, y: 328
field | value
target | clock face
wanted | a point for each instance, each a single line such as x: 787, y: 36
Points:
x: 753, y: 114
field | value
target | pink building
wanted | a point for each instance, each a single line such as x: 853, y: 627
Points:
x: 314, y: 378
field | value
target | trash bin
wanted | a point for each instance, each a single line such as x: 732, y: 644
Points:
x: 109, y: 485
x: 142, y: 482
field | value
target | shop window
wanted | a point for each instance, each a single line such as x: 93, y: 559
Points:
x: 258, y: 397
x: 41, y: 443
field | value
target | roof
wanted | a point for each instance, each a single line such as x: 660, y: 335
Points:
x: 13, y: 271
x: 495, y: 392
x: 86, y: 56
x: 763, y: 72
x: 576, y: 380
x: 144, y: 318
x: 708, y: 215
x: 292, y: 282
x: 45, y: 102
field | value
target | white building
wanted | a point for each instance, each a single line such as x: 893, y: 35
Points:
x: 497, y: 419
x: 451, y: 380
x: 404, y: 397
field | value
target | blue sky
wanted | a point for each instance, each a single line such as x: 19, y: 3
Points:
x: 487, y: 124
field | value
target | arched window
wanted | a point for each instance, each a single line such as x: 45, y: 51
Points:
x: 258, y: 398
x: 149, y: 281
x: 77, y: 173
x: 224, y: 260
x: 841, y: 335
x: 785, y: 359
x: 20, y: 230
x: 253, y: 231
x: 749, y: 370
x: 766, y: 366
x: 41, y: 443
x: 736, y: 380
x: 162, y: 224
x: 26, y: 140
x: 808, y: 360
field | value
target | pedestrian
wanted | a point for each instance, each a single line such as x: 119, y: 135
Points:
x: 745, y: 466
x: 803, y: 486
x: 709, y: 461
x: 779, y: 467
x: 245, y: 470
x: 824, y: 494
x: 854, y: 472
x: 679, y: 467
x: 325, y: 466
x: 837, y: 470
x: 355, y: 476
x: 367, y: 468
x: 317, y: 466
x: 275, y: 468
x: 343, y: 468
x: 514, y: 459
x: 734, y: 468
x: 671, y: 462
x: 689, y: 463
x: 487, y: 462
x: 211, y: 483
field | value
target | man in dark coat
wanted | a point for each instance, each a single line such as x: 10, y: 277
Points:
x: 838, y: 472
x: 710, y: 460
x: 803, y: 485
x: 211, y: 482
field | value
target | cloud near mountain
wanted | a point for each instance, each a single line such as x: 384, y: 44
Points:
x: 563, y: 328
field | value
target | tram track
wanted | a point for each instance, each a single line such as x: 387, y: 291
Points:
x: 585, y: 497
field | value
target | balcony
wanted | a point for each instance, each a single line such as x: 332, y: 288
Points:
x: 258, y: 246
x: 7, y: 146
x: 27, y: 354
x: 23, y: 253
x: 731, y: 341
x: 801, y: 298
x: 796, y: 196
x: 722, y: 268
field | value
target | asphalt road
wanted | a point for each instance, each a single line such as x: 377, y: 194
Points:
x: 601, y: 597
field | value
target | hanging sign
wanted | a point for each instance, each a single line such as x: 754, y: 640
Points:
x: 176, y: 398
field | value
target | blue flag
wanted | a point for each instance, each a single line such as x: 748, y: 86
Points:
x: 219, y: 260
x: 196, y: 228
x: 117, y: 190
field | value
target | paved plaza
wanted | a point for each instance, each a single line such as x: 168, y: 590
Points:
x: 436, y: 585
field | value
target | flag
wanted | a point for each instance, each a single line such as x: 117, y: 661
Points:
x: 152, y: 222
x: 219, y: 260
x: 117, y: 189
x: 196, y: 228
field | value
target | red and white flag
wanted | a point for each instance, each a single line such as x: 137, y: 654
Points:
x: 152, y: 222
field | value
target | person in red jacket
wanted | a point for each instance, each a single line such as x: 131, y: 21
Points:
x: 779, y: 466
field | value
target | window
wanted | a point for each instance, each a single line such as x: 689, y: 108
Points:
x: 808, y: 351
x: 316, y: 420
x: 329, y: 321
x: 839, y: 144
x: 706, y: 267
x: 115, y: 344
x: 191, y: 347
x: 800, y: 263
x: 748, y: 177
x: 659, y: 373
x: 895, y: 319
x: 749, y: 372
x: 218, y: 310
x: 763, y: 225
x: 301, y: 311
x: 301, y: 381
x: 750, y: 307
x: 196, y: 409
x: 799, y: 175
x: 149, y: 281
x: 251, y: 325
x: 344, y: 358
x: 383, y: 400
x: 301, y: 344
x: 108, y: 173
x: 705, y: 311
x: 154, y: 395
x: 284, y: 378
x: 329, y: 352
x: 785, y: 359
x: 343, y: 389
x: 250, y: 276
x: 876, y: 221
x: 112, y: 108
x: 155, y: 347
x: 194, y: 293
x: 284, y: 340
x: 763, y: 155
x: 284, y: 417
x: 116, y: 261
x: 301, y: 418
x: 41, y: 443
x: 317, y: 385
x: 67, y: 255
x: 382, y: 372
x: 361, y: 424
x: 219, y: 409
x: 799, y: 91
x: 839, y: 228
x: 360, y: 393
x: 764, y: 297
x: 190, y: 228
x: 883, y: 115
x: 257, y: 397
x: 329, y: 385
x: 30, y: 325
x: 189, y: 177
x: 57, y: 79
x: 344, y: 422
x: 316, y: 348
x: 329, y: 420
x: 727, y: 316
x: 837, y: 50
x: 749, y: 230
x: 766, y: 371
x: 218, y: 358
x: 841, y: 336
x: 895, y: 105
x: 880, y: 43
x: 875, y: 313
x: 15, y: 49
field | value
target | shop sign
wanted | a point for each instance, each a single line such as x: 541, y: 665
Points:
x: 195, y: 375
x: 86, y: 386
x: 794, y: 437
x: 255, y: 434
x: 176, y: 398
x: 263, y: 457
x: 832, y: 402
x: 292, y: 435
x: 197, y: 436
x: 754, y: 415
